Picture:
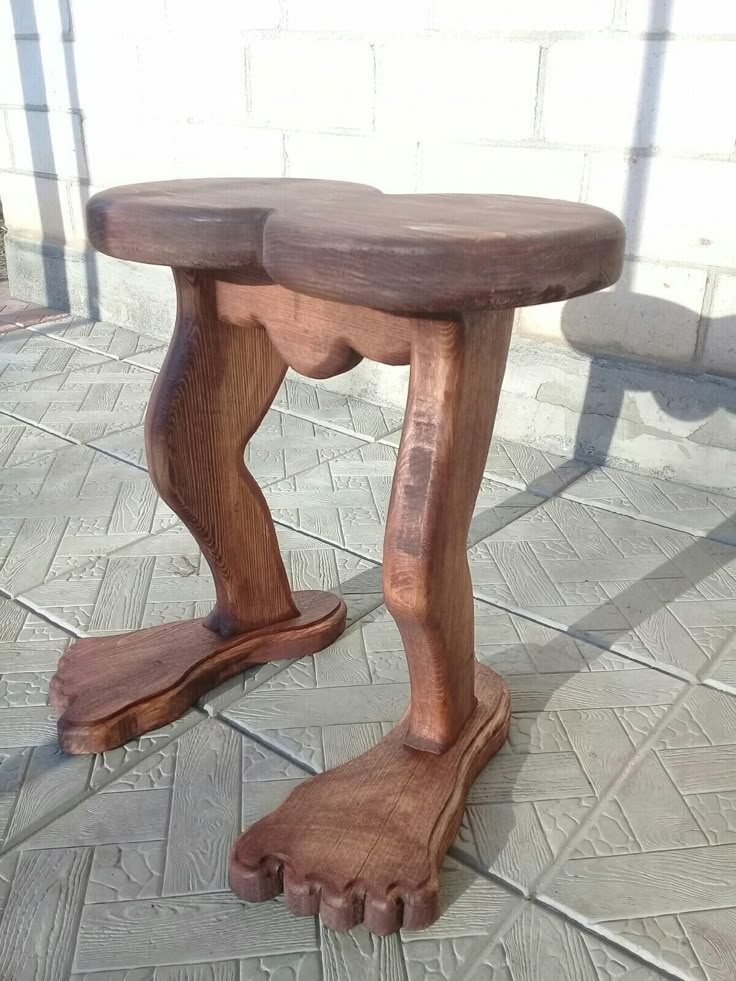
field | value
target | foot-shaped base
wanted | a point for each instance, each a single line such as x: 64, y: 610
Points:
x: 364, y: 842
x: 109, y: 689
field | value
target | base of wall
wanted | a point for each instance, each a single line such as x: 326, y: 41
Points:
x: 599, y: 409
x: 90, y: 284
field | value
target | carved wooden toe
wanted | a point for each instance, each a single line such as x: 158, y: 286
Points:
x: 363, y: 843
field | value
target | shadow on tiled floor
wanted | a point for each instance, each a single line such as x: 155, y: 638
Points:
x: 599, y: 844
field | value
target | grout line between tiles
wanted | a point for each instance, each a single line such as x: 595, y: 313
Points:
x: 329, y: 425
x: 43, y: 429
x: 36, y: 329
x: 647, y: 519
x: 494, y: 936
x: 543, y: 880
x: 16, y: 843
x: 248, y: 734
x: 615, y: 943
x: 552, y: 625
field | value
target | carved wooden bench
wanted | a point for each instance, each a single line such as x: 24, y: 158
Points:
x: 318, y: 275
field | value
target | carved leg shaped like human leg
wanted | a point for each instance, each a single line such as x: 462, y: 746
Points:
x: 216, y: 385
x: 364, y: 842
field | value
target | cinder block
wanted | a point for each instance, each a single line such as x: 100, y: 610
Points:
x: 463, y: 168
x: 39, y: 206
x: 719, y: 353
x: 6, y: 158
x: 674, y: 209
x: 50, y: 17
x: 47, y: 142
x: 682, y: 16
x: 37, y: 73
x: 228, y: 150
x: 123, y: 148
x: 114, y: 21
x: 377, y: 16
x: 652, y: 313
x: 185, y: 76
x: 311, y: 85
x: 388, y: 163
x: 459, y: 89
x: 222, y: 16
x: 107, y: 75
x: 639, y: 93
x: 522, y: 15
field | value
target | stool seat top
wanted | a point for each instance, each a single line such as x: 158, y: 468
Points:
x: 406, y: 253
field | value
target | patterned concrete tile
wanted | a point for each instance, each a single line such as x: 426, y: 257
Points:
x: 579, y: 713
x: 85, y: 404
x: 352, y: 416
x: 29, y: 650
x: 98, y: 336
x: 655, y: 868
x: 87, y: 893
x: 653, y: 593
x: 282, y: 446
x: 37, y: 780
x: 470, y: 905
x: 27, y: 358
x: 723, y: 673
x: 345, y: 501
x: 663, y: 502
x: 539, y: 946
x: 163, y: 578
x: 152, y: 359
x: 69, y: 504
x: 21, y: 443
x: 524, y: 467
x: 147, y: 857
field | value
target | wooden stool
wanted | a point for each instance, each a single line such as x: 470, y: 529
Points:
x: 318, y: 275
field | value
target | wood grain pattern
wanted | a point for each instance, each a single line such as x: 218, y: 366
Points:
x: 363, y: 843
x: 405, y: 253
x: 215, y: 386
x: 109, y: 689
x: 455, y: 382
x: 317, y: 338
x: 443, y: 253
x: 200, y: 224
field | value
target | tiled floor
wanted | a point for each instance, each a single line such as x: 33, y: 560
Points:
x: 599, y: 844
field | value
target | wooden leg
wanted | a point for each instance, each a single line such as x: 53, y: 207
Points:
x: 364, y: 842
x: 216, y: 385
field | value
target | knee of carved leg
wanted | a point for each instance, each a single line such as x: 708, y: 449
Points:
x: 407, y: 588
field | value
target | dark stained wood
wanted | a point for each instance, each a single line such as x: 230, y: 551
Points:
x: 317, y: 338
x: 443, y: 253
x: 413, y: 254
x: 215, y: 386
x: 363, y: 843
x: 200, y: 224
x: 455, y: 382
x: 319, y: 275
x: 110, y: 689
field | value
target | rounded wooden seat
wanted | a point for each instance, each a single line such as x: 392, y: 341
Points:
x: 416, y: 253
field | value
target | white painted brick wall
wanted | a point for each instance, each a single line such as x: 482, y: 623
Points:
x: 469, y: 90
x: 529, y: 97
x: 311, y: 85
x: 532, y: 16
x: 535, y: 171
x: 603, y: 93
